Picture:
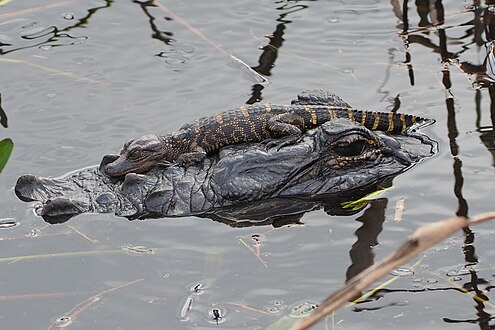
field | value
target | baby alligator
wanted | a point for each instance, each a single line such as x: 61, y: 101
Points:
x: 250, y: 123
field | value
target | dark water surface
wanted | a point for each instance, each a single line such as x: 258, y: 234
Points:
x: 78, y: 78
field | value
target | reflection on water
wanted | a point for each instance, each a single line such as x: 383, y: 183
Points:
x: 175, y: 51
x: 433, y: 38
x: 48, y: 37
x: 3, y: 115
x: 431, y: 14
x: 163, y: 36
x: 270, y: 51
x: 289, y: 211
x: 361, y: 252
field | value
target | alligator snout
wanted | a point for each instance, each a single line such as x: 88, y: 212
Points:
x: 110, y: 166
x: 120, y: 166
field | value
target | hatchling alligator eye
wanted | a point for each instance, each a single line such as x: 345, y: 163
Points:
x: 136, y: 155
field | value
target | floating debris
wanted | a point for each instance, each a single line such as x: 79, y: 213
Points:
x: 198, y: 288
x: 217, y: 315
x: 302, y: 309
x: 63, y: 321
x: 185, y: 309
x: 7, y: 223
x: 68, y: 16
x: 399, y: 209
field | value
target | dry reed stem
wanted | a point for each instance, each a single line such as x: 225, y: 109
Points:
x: 423, y: 238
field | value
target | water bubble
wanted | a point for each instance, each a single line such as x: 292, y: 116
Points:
x: 333, y: 20
x: 7, y: 223
x: 458, y: 272
x: 68, y: 16
x: 348, y: 70
x: 63, y: 321
x: 431, y: 281
x: 402, y: 271
x: 272, y: 310
x: 46, y: 47
x: 33, y: 233
x: 456, y: 279
x: 139, y: 249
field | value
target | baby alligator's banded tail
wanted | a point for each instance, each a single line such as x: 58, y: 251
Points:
x: 382, y: 121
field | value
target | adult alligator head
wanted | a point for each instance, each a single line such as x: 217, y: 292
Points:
x: 339, y: 157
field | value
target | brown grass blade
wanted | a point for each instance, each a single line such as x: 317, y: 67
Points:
x: 83, y: 306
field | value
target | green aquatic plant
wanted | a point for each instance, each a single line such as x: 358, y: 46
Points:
x: 362, y: 202
x: 4, y: 2
x: 6, y: 146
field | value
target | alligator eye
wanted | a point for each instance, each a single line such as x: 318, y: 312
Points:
x: 136, y: 154
x: 349, y: 149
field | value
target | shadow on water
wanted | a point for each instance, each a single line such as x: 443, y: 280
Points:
x: 279, y: 212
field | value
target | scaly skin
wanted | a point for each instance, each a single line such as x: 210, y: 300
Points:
x: 244, y: 181
x: 253, y: 123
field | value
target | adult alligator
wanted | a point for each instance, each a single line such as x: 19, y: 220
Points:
x: 241, y: 181
x: 279, y: 124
